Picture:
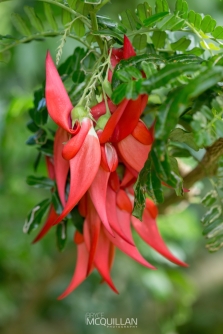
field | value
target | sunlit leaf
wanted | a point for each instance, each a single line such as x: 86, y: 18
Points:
x: 150, y: 21
x: 161, y: 6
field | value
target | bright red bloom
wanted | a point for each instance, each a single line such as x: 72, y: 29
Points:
x: 80, y: 150
x: 103, y: 194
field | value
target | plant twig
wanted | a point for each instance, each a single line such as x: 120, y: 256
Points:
x: 206, y: 168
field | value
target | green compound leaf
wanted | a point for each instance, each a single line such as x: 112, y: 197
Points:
x: 218, y: 33
x: 20, y: 25
x: 79, y: 28
x: 161, y: 6
x: 195, y: 19
x: 208, y: 24
x: 40, y: 182
x: 210, y: 198
x: 178, y: 101
x: 159, y: 39
x: 144, y: 10
x: 171, y: 22
x: 35, y: 216
x: 49, y: 16
x: 150, y: 21
x: 72, y: 3
x: 140, y: 42
x: 181, y: 45
x: 181, y: 8
x: 130, y: 20
x: 181, y: 136
x: 34, y: 20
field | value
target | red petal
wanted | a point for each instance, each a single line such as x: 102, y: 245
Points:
x: 74, y: 144
x: 83, y: 168
x: 78, y: 238
x: 94, y: 223
x: 142, y: 134
x: 48, y: 224
x: 128, y: 179
x: 123, y: 201
x: 118, y: 53
x: 109, y: 157
x: 128, y: 50
x: 80, y: 271
x: 97, y: 193
x: 128, y: 121
x: 61, y: 165
x: 50, y: 167
x: 82, y: 206
x: 112, y: 122
x: 114, y: 181
x: 128, y: 249
x: 111, y: 209
x: 148, y: 231
x: 133, y: 152
x: 152, y: 208
x: 101, y: 259
x: 58, y: 102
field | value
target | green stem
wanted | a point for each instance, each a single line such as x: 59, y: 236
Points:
x: 95, y: 28
x: 45, y: 34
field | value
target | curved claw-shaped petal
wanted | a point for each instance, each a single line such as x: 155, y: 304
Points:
x: 93, y: 225
x: 50, y: 167
x: 97, y: 193
x: 58, y: 102
x: 83, y: 169
x: 128, y: 120
x: 111, y: 209
x: 123, y: 201
x: 112, y: 122
x: 142, y: 134
x: 128, y: 50
x: 52, y: 216
x: 148, y: 231
x: 102, y: 255
x: 141, y: 151
x: 80, y: 271
x: 61, y: 166
x: 128, y: 249
x: 128, y: 179
x: 74, y: 144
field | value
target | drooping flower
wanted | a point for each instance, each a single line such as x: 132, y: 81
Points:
x: 103, y: 166
x: 81, y: 149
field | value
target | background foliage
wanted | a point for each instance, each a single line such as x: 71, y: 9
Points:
x: 170, y: 300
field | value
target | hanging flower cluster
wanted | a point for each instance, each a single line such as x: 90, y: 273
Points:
x: 102, y: 167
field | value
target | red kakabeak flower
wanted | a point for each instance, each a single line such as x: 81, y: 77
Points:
x: 103, y: 166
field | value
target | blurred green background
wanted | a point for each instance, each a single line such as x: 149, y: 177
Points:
x: 170, y: 300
